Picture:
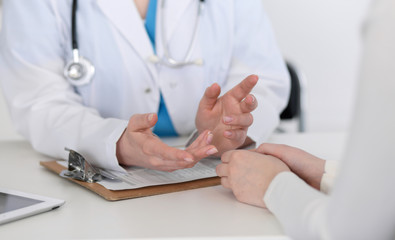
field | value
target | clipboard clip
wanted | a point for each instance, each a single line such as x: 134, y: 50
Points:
x: 80, y: 169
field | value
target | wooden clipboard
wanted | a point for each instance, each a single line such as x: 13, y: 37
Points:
x: 111, y: 195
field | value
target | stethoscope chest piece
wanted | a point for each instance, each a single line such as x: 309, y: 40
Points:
x: 79, y: 72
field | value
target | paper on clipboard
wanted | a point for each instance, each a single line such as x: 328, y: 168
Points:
x: 137, y: 177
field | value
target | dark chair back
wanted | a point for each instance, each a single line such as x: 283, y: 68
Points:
x: 294, y: 106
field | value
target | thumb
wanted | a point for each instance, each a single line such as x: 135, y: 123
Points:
x: 210, y: 96
x: 141, y: 122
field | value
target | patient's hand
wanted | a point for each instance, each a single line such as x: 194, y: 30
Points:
x: 229, y: 116
x: 138, y: 146
x: 308, y: 167
x: 248, y: 174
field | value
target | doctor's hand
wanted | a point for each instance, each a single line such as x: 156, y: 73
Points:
x: 308, y: 167
x: 248, y: 174
x: 229, y: 116
x: 138, y: 146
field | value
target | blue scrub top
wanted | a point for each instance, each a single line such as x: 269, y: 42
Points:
x: 164, y: 127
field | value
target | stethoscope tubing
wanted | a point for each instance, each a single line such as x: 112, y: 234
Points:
x: 80, y: 71
x: 168, y: 59
x: 74, y: 42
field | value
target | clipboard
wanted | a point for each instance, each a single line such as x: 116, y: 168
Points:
x: 112, y: 195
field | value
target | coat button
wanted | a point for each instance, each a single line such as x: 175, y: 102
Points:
x: 147, y: 90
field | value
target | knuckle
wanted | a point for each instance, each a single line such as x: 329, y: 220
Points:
x: 240, y: 141
x: 133, y: 118
x: 218, y: 169
x: 234, y: 166
x: 232, y: 170
x: 234, y: 154
x: 146, y: 148
x: 250, y: 119
x: 223, y: 181
x: 191, y: 165
x: 284, y: 150
x: 284, y: 146
x: 262, y: 147
x: 155, y: 163
x: 240, y: 137
x: 227, y: 154
x: 182, y: 164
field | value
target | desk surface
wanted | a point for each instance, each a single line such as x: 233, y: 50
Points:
x: 207, y: 212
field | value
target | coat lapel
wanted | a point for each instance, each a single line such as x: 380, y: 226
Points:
x: 126, y: 19
x: 173, y: 12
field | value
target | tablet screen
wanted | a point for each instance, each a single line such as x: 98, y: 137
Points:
x: 16, y: 205
x: 9, y: 202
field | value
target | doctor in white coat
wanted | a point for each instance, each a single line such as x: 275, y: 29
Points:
x: 225, y: 42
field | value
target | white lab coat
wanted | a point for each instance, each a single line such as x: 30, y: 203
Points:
x: 235, y: 39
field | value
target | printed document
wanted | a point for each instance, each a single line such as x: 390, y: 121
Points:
x: 137, y: 177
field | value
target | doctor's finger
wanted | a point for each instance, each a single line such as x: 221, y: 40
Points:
x: 165, y: 165
x: 210, y: 96
x: 241, y: 90
x: 203, y: 152
x: 242, y: 121
x: 203, y: 139
x: 236, y: 134
x: 141, y: 122
x: 163, y: 151
x: 249, y: 104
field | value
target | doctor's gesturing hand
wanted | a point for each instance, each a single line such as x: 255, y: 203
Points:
x: 229, y: 116
x: 138, y: 146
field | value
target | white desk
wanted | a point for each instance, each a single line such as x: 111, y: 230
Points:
x: 207, y: 212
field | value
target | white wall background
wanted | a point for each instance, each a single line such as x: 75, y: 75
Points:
x: 6, y: 128
x: 323, y: 37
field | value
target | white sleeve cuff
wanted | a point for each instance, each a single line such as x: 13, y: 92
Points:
x: 111, y: 147
x: 300, y: 208
x: 99, y: 147
x: 329, y: 176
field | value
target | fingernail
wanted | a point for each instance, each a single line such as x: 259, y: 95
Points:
x: 228, y: 119
x: 253, y: 98
x: 212, y: 151
x: 228, y: 133
x: 188, y: 159
x: 150, y: 117
x: 209, y: 138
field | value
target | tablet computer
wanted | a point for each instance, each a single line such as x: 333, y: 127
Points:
x: 15, y: 205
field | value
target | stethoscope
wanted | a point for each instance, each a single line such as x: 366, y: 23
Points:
x: 80, y: 71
